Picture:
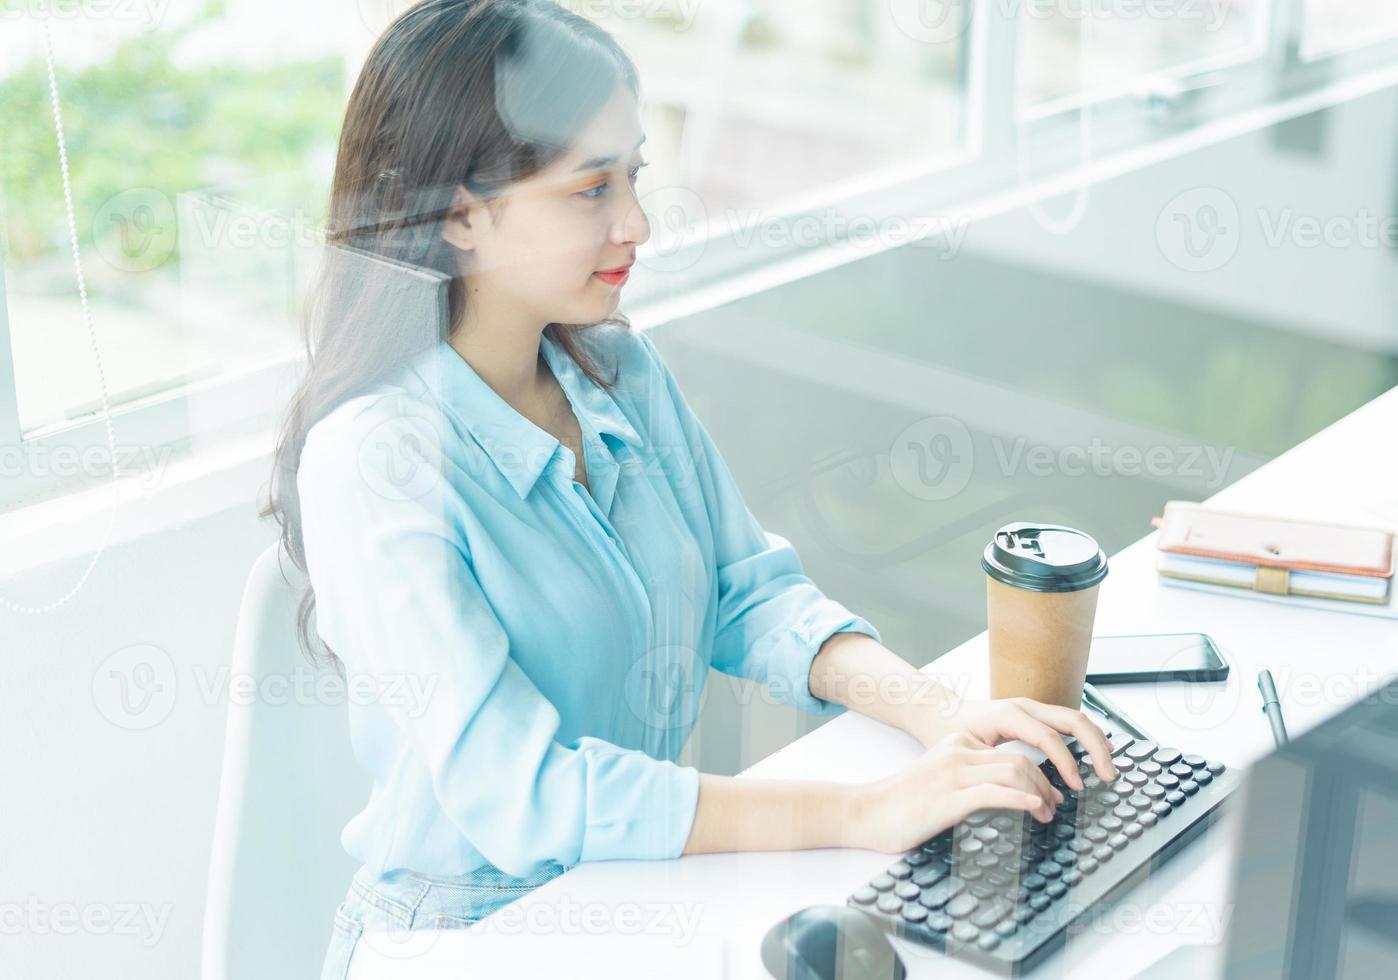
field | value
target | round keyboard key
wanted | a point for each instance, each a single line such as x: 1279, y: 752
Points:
x: 1104, y: 854
x: 1024, y: 913
x: 1139, y: 801
x: 1182, y: 771
x: 988, y: 941
x: 978, y: 819
x: 1148, y: 819
x: 1167, y: 757
x: 987, y: 835
x: 1093, y: 809
x: 939, y: 921
x: 1151, y: 769
x: 890, y: 903
x: 1034, y: 882
x: 1139, y: 751
x: 1168, y: 780
x: 865, y: 895
x: 1124, y: 812
x: 1049, y: 869
x: 1004, y: 848
x: 1065, y: 856
x: 1090, y: 783
x: 1132, y: 830
x: 1004, y: 823
x: 1153, y: 792
x: 923, y: 877
x: 1203, y: 777
x: 1111, y: 824
x: 969, y: 872
x: 916, y: 859
x: 913, y: 912
x: 1087, y: 865
x: 982, y: 889
x: 901, y: 871
x: 1137, y: 779
x: 988, y: 860
x: 937, y: 845
x: 998, y: 879
x: 908, y: 891
x: 1174, y: 797
x: 1118, y: 841
x: 1095, y: 834
x: 970, y: 846
x: 1071, y: 877
x: 1195, y: 761
x: 1064, y: 831
x: 1160, y: 808
x: 1006, y: 928
x: 882, y: 883
x: 962, y: 905
x: 1056, y: 889
x: 1040, y: 902
x: 1214, y: 767
x: 1080, y: 845
x: 1123, y: 787
x: 1124, y: 764
x: 1189, y: 787
x: 964, y: 932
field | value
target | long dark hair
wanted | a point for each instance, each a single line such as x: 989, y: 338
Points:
x: 473, y: 93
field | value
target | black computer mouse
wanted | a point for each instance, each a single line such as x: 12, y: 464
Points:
x: 830, y: 942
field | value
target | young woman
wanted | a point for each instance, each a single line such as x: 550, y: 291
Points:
x: 518, y: 533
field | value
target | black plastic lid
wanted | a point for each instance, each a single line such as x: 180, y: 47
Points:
x: 1044, y: 558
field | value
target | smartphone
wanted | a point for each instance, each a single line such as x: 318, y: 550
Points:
x: 1155, y: 657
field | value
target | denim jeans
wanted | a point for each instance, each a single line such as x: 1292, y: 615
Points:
x: 406, y: 901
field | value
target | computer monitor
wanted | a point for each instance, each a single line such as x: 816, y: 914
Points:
x: 1315, y: 884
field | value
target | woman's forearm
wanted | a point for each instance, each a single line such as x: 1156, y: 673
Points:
x: 774, y: 815
x: 862, y: 674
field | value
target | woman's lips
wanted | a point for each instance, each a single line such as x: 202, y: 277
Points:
x: 615, y: 278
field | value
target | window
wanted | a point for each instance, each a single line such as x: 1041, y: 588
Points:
x: 195, y: 181
x: 1336, y: 25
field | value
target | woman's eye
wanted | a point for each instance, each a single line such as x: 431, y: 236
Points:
x: 594, y: 192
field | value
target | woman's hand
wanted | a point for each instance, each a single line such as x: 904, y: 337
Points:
x: 1032, y: 722
x: 957, y: 776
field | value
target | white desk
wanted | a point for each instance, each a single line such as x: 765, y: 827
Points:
x: 705, y: 915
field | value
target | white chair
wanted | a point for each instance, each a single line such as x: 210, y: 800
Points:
x: 289, y: 785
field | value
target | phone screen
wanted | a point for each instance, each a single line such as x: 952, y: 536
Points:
x: 1183, y: 656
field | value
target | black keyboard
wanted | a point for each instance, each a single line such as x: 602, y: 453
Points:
x: 1003, y: 890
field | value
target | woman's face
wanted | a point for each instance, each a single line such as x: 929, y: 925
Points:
x: 538, y: 259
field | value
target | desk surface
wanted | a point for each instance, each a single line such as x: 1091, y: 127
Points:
x: 705, y: 915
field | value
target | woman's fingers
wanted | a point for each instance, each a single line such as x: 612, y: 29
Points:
x: 992, y: 796
x: 1013, y: 770
x: 1025, y: 727
x: 1080, y: 726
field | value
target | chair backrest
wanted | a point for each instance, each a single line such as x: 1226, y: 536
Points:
x: 289, y: 785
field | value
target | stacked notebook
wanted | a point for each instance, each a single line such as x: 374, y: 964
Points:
x: 1335, y: 566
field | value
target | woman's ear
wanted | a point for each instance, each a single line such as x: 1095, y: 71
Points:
x: 466, y: 215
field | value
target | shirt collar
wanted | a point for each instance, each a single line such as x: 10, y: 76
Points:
x: 518, y: 448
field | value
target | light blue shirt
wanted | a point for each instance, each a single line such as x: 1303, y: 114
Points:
x: 558, y: 640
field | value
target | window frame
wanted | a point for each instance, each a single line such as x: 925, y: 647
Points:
x: 969, y: 184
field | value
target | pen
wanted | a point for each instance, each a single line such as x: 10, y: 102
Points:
x: 1093, y: 699
x: 1271, y: 706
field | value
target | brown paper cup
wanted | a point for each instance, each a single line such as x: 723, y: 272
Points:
x: 1039, y: 642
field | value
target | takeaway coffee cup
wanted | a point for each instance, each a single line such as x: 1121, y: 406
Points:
x: 1041, y: 598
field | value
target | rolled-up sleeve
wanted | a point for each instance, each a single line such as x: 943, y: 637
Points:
x: 398, y: 599
x: 772, y: 619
